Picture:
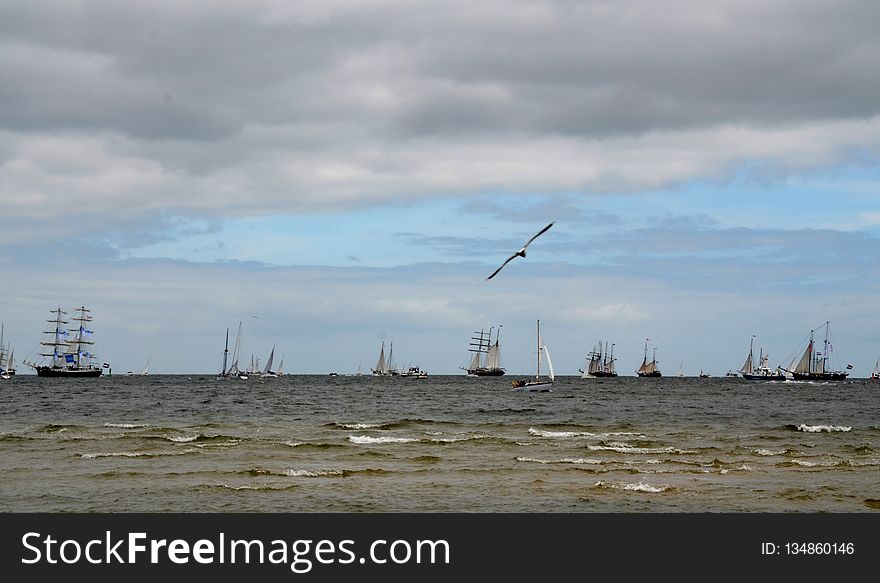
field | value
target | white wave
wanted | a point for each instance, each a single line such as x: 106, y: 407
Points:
x: 638, y: 487
x: 359, y: 425
x: 313, y: 473
x: 127, y: 425
x: 367, y: 440
x: 820, y: 428
x: 183, y: 438
x: 292, y: 443
x: 134, y: 454
x: 565, y: 460
x: 766, y: 452
x: 641, y: 450
x: 455, y: 439
x: 807, y: 464
x: 559, y: 434
x: 218, y: 445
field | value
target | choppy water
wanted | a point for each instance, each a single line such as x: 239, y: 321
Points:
x: 308, y: 443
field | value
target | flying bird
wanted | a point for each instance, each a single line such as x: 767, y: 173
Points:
x: 521, y: 252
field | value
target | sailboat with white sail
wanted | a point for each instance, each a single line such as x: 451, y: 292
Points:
x: 486, y: 359
x: 762, y: 372
x: 8, y: 370
x: 600, y: 362
x: 234, y: 372
x: 7, y: 363
x: 875, y: 374
x: 538, y: 384
x: 815, y: 365
x: 267, y: 372
x: 649, y: 369
x: 385, y: 368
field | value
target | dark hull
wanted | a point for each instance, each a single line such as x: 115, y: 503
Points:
x: 763, y: 377
x: 486, y: 372
x: 820, y: 376
x: 10, y: 372
x: 68, y: 373
x: 604, y: 375
x: 655, y: 374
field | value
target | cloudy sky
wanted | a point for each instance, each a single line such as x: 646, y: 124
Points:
x: 349, y: 172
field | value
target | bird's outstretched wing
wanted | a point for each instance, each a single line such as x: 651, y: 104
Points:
x: 494, y: 273
x: 541, y: 232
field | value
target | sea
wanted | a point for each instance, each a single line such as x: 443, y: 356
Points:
x: 299, y: 443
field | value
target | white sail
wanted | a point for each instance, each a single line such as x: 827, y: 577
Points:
x: 146, y: 368
x: 475, y: 361
x: 280, y: 370
x: 804, y: 365
x: 747, y: 365
x: 549, y: 363
x: 493, y: 359
x: 268, y: 368
x: 380, y: 364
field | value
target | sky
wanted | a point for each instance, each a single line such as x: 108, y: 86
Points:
x: 334, y: 174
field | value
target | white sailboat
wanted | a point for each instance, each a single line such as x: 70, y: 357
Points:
x: 385, y: 368
x: 234, y: 371
x: 875, y: 374
x: 538, y: 384
x: 268, y: 373
x: 280, y: 371
x: 9, y: 370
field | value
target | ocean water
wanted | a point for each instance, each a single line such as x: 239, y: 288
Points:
x: 442, y: 444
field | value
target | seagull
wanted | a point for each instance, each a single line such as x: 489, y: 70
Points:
x: 521, y: 252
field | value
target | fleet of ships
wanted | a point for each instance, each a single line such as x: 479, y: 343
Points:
x: 68, y: 352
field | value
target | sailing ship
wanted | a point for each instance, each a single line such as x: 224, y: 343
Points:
x: 875, y: 374
x: 233, y: 372
x: 600, y: 362
x: 7, y: 362
x: 538, y: 384
x: 72, y: 357
x: 486, y: 359
x: 649, y: 369
x: 762, y: 372
x: 680, y: 373
x: 814, y: 364
x: 385, y: 368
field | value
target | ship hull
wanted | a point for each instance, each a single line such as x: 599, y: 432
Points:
x: 762, y: 377
x: 821, y: 376
x: 48, y: 371
x: 486, y: 372
x: 654, y: 375
x: 533, y: 386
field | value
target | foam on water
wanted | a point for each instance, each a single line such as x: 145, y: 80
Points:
x: 641, y: 450
x: 127, y: 425
x: 637, y: 487
x: 565, y: 460
x: 367, y: 440
x: 313, y: 473
x: 821, y: 428
x: 136, y: 454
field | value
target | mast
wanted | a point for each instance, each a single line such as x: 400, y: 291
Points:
x: 225, y: 352
x: 57, y: 334
x: 611, y: 360
x: 537, y: 376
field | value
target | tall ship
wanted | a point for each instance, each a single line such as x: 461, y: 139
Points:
x: 385, y: 368
x: 69, y: 348
x: 7, y: 356
x: 486, y: 359
x: 762, y: 371
x: 600, y: 362
x: 649, y: 369
x: 816, y: 365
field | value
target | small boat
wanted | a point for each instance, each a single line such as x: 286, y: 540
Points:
x: 486, y: 359
x: 761, y: 372
x: 538, y: 385
x: 385, y: 368
x: 680, y: 367
x: 267, y: 372
x: 875, y: 374
x: 9, y: 370
x: 731, y: 375
x: 333, y: 374
x: 233, y: 372
x: 600, y: 363
x: 704, y: 375
x: 649, y: 369
x: 414, y: 372
x: 814, y: 365
x: 7, y: 363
